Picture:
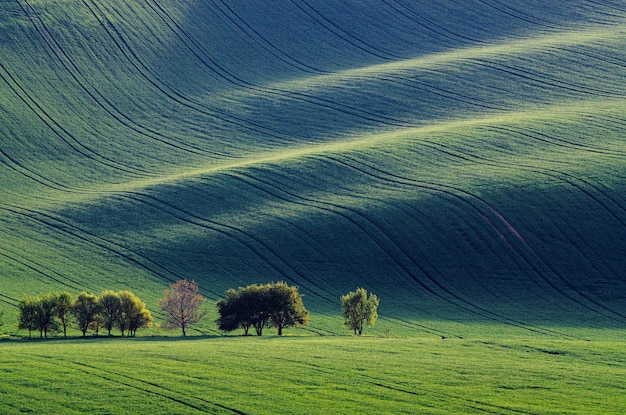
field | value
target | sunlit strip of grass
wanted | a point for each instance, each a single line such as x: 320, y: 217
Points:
x: 365, y: 141
x: 588, y: 35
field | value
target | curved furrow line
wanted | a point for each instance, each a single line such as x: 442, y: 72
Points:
x: 418, y: 327
x: 63, y: 134
x: 563, y: 176
x: 141, y: 385
x: 261, y: 249
x: 517, y: 14
x: 57, y: 51
x: 430, y: 25
x: 170, y: 92
x: 553, y: 140
x: 445, y: 399
x: 12, y: 164
x: 40, y: 269
x: 290, y: 197
x: 545, y: 79
x: 440, y: 396
x: 567, y: 177
x: 327, y: 24
x: 462, y: 197
x: 208, y: 62
x: 9, y: 300
x: 96, y: 96
x: 446, y: 93
x: 127, y: 254
x: 576, y: 182
x: 601, y: 120
x: 619, y: 6
x: 384, y: 242
x: 592, y: 54
x: 612, y: 314
x: 260, y: 40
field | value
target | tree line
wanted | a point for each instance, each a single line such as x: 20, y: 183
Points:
x: 53, y: 312
x: 276, y: 305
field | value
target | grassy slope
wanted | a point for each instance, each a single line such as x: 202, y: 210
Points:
x: 465, y: 161
x: 325, y: 375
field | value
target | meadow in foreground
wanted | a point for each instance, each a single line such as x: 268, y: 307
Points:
x: 336, y: 374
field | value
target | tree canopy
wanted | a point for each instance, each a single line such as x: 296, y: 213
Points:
x: 85, y: 310
x: 275, y: 305
x: 182, y: 305
x: 359, y: 309
x: 49, y: 313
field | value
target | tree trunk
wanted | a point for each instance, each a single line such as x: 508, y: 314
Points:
x: 280, y: 330
x: 184, y: 333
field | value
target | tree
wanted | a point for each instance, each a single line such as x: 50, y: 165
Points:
x: 85, y: 310
x: 247, y: 307
x: 46, y: 311
x: 285, y: 307
x: 259, y: 306
x: 143, y: 318
x: 232, y: 313
x: 27, y: 317
x: 63, y: 302
x: 182, y: 305
x: 109, y: 303
x: 132, y: 313
x: 357, y: 308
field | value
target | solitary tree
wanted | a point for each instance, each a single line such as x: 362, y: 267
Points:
x: 63, y: 302
x: 182, y: 305
x: 85, y: 310
x: 109, y: 303
x: 358, y: 309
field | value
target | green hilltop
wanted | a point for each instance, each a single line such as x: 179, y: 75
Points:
x: 463, y: 160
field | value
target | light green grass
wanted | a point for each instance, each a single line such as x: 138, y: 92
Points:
x: 314, y: 375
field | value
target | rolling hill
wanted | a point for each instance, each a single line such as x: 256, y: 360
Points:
x: 464, y: 160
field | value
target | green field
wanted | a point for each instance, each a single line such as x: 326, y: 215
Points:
x: 464, y: 160
x: 314, y: 375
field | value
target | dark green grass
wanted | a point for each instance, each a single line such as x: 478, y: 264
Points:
x: 314, y: 375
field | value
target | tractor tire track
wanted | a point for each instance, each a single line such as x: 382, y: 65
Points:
x: 142, y: 69
x: 140, y: 385
x: 442, y: 397
x: 261, y: 249
x: 127, y: 254
x: 205, y: 59
x: 96, y: 96
x: 524, y: 250
x: 342, y: 34
x: 260, y: 40
x: 516, y: 14
x: 545, y: 80
x: 63, y: 134
x: 430, y: 25
x: 42, y: 270
x: 462, y: 197
x: 387, y: 245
